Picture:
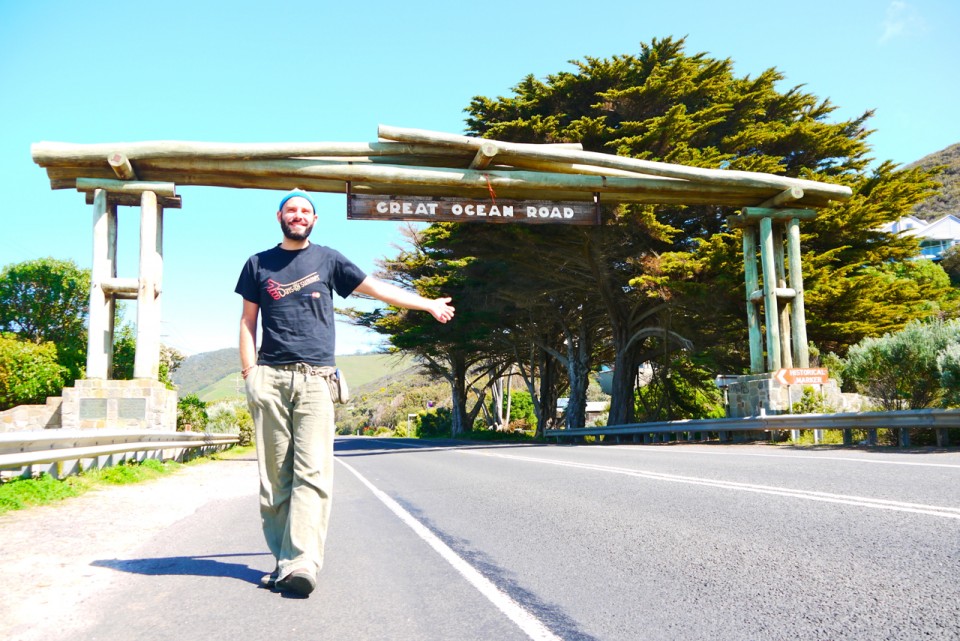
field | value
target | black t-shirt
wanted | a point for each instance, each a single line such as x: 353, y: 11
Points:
x: 294, y: 290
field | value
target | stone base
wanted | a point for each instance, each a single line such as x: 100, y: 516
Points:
x: 763, y: 394
x: 139, y: 404
x: 24, y: 418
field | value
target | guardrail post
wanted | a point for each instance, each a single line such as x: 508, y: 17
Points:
x: 943, y: 438
x: 903, y: 437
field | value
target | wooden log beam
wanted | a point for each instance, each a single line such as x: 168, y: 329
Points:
x: 788, y: 195
x: 755, y: 213
x: 133, y: 200
x: 281, y: 182
x: 59, y: 154
x: 441, y: 176
x: 126, y: 186
x: 121, y: 166
x: 123, y: 286
x: 485, y: 155
x: 698, y: 174
x: 782, y: 293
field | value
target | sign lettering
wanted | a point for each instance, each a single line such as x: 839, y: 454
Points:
x: 447, y: 209
x: 803, y: 376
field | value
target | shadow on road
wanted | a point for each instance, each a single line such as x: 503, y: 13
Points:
x: 187, y: 565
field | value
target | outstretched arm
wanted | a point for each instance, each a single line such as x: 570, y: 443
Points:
x: 439, y: 308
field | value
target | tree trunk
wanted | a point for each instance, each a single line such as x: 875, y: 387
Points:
x: 546, y: 406
x: 624, y: 380
x: 458, y: 388
x: 496, y: 401
x: 578, y: 370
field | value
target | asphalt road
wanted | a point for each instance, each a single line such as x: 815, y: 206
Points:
x: 442, y: 541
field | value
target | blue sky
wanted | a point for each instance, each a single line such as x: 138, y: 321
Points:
x: 106, y: 71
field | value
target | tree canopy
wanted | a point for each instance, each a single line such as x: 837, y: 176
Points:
x: 46, y: 301
x: 664, y: 284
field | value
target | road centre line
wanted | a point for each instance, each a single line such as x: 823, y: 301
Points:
x: 527, y: 622
x: 827, y: 497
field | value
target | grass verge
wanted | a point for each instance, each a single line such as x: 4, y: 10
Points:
x: 20, y: 494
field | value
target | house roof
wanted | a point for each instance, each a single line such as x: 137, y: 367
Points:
x: 945, y: 228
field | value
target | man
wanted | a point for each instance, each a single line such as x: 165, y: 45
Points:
x: 289, y: 383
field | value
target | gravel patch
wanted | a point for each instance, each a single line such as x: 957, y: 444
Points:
x: 45, y: 566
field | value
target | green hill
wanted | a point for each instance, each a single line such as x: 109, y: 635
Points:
x: 202, y: 370
x: 359, y: 369
x: 947, y: 201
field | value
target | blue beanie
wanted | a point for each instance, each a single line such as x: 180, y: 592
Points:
x: 297, y: 193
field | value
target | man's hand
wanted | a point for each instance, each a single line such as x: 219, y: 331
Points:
x: 440, y: 309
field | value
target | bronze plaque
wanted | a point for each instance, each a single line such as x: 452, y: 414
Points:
x: 132, y: 408
x: 92, y: 409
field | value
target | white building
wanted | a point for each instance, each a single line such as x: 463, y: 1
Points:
x: 935, y: 238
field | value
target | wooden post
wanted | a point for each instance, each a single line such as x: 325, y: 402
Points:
x: 753, y: 283
x: 784, y: 315
x: 770, y: 294
x: 112, y: 221
x: 158, y: 293
x: 146, y: 363
x: 98, y: 324
x: 797, y: 314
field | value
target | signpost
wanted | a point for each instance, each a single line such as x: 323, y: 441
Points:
x: 803, y: 376
x: 429, y: 209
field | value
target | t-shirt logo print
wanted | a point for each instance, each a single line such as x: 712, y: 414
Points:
x: 279, y: 290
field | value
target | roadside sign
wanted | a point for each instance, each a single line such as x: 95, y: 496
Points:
x: 803, y: 376
x: 437, y: 209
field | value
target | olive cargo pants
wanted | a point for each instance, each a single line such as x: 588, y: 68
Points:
x: 294, y: 419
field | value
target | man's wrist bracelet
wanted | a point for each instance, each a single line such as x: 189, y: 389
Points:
x: 246, y: 370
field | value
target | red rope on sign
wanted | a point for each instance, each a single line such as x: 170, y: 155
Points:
x: 493, y: 194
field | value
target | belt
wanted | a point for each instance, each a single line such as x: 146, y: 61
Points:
x: 307, y: 369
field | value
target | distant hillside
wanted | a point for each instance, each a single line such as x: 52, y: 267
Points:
x: 359, y: 370
x: 200, y: 370
x: 948, y: 200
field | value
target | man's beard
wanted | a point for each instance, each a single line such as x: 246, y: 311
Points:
x: 295, y: 235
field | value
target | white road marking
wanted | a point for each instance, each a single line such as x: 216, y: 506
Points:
x: 807, y: 457
x: 530, y: 625
x: 859, y: 501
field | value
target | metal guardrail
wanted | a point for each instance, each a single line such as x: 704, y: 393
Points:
x: 725, y: 428
x: 64, y: 452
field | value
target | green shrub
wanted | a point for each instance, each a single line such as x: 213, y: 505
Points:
x: 434, y: 423
x: 521, y: 409
x: 811, y: 402
x: 29, y: 372
x: 231, y: 417
x: 902, y: 370
x: 245, y: 423
x: 191, y: 414
x: 948, y: 361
